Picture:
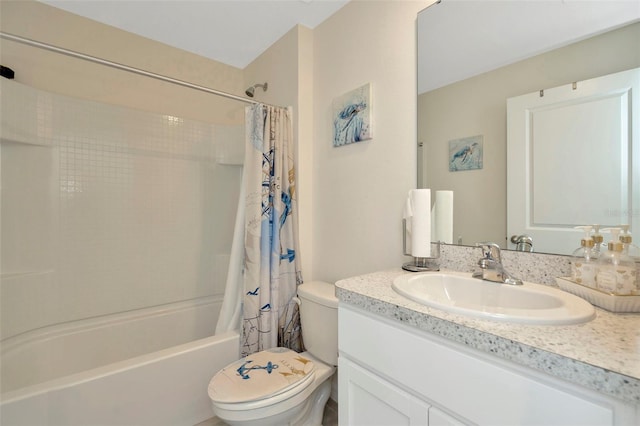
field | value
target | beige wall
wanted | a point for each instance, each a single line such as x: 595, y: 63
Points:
x: 305, y: 149
x: 477, y: 106
x: 351, y: 197
x: 60, y: 74
x: 359, y: 189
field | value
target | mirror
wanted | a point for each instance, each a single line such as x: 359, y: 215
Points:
x: 473, y: 56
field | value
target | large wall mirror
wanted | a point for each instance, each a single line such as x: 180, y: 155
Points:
x: 475, y: 55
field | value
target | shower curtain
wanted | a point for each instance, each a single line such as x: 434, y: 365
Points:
x: 271, y: 258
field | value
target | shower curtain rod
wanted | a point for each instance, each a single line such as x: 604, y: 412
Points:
x: 122, y: 67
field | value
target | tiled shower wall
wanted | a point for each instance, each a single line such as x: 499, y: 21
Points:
x: 105, y: 209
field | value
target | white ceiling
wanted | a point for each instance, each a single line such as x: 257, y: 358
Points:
x: 462, y: 37
x: 458, y: 39
x: 234, y: 32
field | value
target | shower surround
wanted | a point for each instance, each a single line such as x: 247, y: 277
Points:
x: 116, y: 227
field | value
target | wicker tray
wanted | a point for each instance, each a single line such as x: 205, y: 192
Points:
x: 610, y: 302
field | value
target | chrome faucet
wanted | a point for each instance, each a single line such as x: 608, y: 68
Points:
x: 491, y: 268
x: 523, y: 242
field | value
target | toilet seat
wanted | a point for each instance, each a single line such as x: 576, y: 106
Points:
x: 261, y: 379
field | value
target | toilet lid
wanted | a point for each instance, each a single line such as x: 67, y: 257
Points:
x: 261, y: 375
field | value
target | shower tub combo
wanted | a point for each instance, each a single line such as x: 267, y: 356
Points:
x: 111, y: 291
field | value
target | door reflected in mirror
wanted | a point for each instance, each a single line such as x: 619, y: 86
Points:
x: 569, y: 159
x: 493, y: 65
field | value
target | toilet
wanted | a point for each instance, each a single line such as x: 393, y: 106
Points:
x: 279, y: 386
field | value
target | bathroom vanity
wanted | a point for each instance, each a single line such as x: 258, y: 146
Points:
x: 404, y: 363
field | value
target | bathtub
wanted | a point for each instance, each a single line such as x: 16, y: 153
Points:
x: 163, y: 387
x: 168, y: 387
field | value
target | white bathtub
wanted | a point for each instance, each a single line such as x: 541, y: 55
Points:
x: 59, y: 350
x: 168, y: 387
x: 91, y: 372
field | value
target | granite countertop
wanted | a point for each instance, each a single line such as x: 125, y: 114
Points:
x: 602, y: 354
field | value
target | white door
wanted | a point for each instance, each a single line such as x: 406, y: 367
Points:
x: 572, y: 159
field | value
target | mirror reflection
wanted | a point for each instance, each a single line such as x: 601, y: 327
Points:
x: 470, y: 64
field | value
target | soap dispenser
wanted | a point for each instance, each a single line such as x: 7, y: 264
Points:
x: 633, y: 251
x: 628, y: 248
x: 584, y: 260
x: 616, y: 271
x: 599, y: 246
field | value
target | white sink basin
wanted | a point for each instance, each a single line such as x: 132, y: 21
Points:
x: 526, y: 304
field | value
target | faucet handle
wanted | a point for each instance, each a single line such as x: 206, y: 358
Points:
x: 490, y: 251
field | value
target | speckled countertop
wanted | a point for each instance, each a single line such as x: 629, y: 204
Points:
x: 602, y: 354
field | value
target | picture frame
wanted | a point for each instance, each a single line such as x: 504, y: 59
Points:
x: 466, y: 153
x: 351, y: 115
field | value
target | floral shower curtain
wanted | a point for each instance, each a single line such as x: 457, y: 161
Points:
x: 272, y: 265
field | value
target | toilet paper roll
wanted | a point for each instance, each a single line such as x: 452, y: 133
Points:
x: 442, y: 217
x: 421, y: 223
x: 407, y: 215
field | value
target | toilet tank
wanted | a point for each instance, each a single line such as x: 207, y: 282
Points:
x: 319, y: 319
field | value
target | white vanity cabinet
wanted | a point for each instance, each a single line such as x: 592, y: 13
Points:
x: 393, y: 374
x: 382, y: 403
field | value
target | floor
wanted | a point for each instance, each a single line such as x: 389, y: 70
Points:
x: 330, y: 417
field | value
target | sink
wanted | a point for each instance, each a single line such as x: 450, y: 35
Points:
x: 529, y: 303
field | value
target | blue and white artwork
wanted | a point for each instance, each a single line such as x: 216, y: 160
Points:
x: 465, y: 154
x: 352, y: 116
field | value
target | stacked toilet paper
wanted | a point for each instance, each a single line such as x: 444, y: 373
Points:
x: 442, y: 217
x: 424, y: 223
x: 420, y: 222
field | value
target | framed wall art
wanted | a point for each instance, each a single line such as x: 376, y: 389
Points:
x: 465, y: 154
x: 352, y: 116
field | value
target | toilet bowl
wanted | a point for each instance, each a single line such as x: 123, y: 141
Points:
x: 279, y: 386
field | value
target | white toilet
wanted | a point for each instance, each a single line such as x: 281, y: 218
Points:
x: 279, y: 386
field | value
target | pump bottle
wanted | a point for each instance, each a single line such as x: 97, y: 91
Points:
x: 616, y: 271
x: 633, y: 251
x: 584, y: 266
x: 628, y: 248
x: 599, y: 246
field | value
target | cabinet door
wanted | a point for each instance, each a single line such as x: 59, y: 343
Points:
x: 440, y: 418
x: 368, y: 400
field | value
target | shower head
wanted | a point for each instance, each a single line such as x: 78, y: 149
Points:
x: 251, y: 90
